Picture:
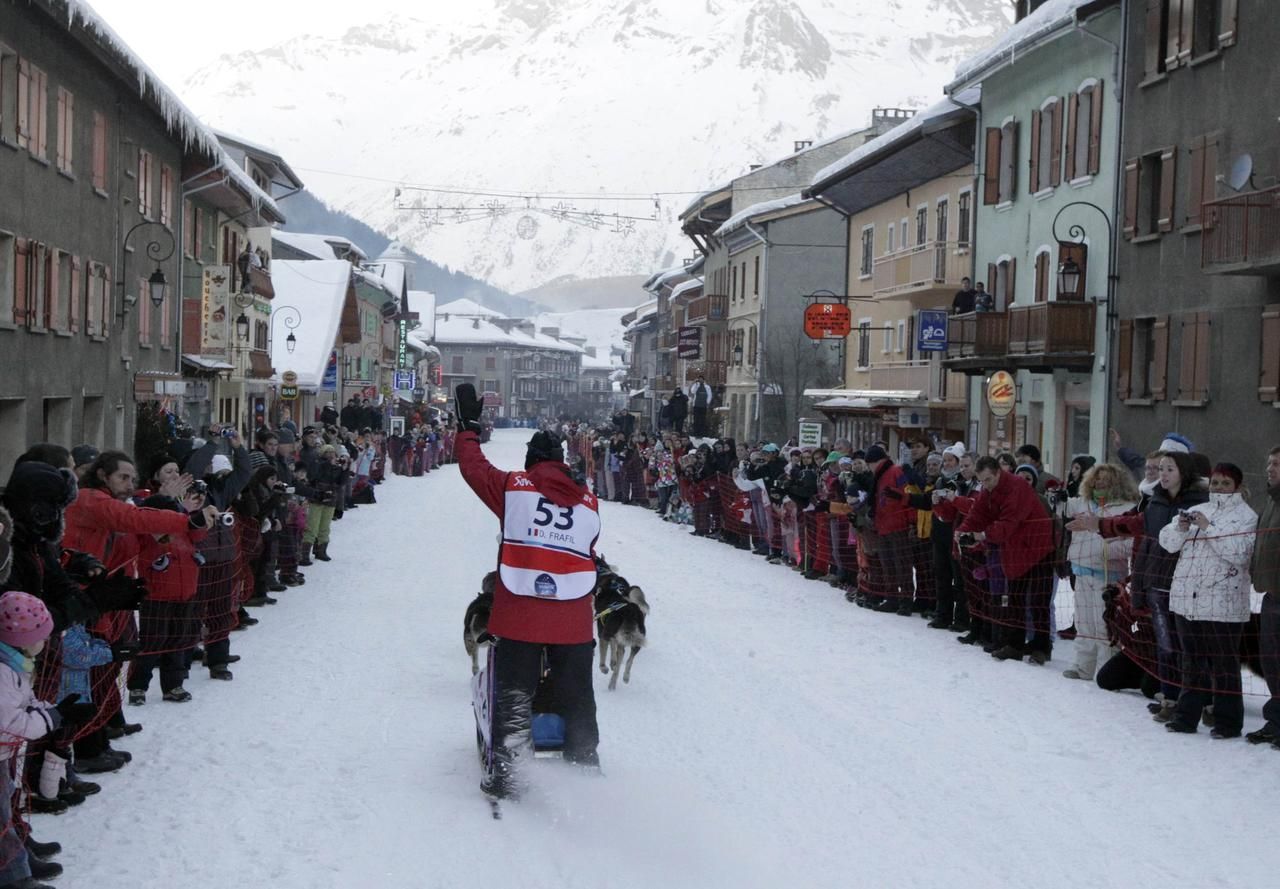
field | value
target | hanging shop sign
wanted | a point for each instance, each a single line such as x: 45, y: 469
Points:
x: 931, y: 330
x: 215, y: 311
x: 824, y: 321
x: 689, y: 343
x: 330, y: 381
x: 810, y: 434
x: 1002, y: 393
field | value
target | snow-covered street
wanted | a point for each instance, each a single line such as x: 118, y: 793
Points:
x: 772, y: 735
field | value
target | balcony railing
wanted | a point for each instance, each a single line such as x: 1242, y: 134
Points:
x: 1242, y: 234
x: 938, y: 384
x: 667, y: 341
x: 709, y: 307
x: 665, y: 383
x: 1040, y: 337
x: 930, y: 266
x: 714, y: 372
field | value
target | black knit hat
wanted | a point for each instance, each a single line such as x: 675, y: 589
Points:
x: 38, y: 493
x: 545, y: 445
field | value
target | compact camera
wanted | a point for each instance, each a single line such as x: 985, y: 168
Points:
x: 227, y: 519
x: 228, y: 432
x: 199, y: 487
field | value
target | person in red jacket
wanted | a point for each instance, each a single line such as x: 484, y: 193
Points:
x: 542, y: 601
x: 1009, y: 514
x: 892, y: 518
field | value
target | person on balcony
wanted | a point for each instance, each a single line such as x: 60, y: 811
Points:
x: 679, y: 403
x: 963, y: 303
x: 701, y: 397
x: 983, y: 301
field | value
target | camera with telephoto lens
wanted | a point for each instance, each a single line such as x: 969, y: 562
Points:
x: 1057, y: 497
x: 199, y: 487
x: 282, y: 488
x: 228, y: 432
x: 227, y: 519
x: 966, y: 538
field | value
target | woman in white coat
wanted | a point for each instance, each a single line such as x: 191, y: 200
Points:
x: 1106, y: 490
x: 1209, y: 598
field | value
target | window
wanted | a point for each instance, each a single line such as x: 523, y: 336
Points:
x: 75, y: 295
x: 755, y: 287
x: 8, y: 259
x: 868, y: 246
x: 66, y: 129
x: 889, y: 242
x: 902, y: 235
x: 922, y: 225
x: 733, y: 284
x: 1084, y: 131
x: 751, y: 347
x: 1000, y: 163
x: 942, y: 229
x: 1193, y: 355
x: 8, y: 96
x: 166, y: 324
x: 902, y: 336
x: 31, y: 305
x: 60, y: 291
x: 98, y: 300
x: 888, y: 340
x: 260, y: 330
x: 1043, y: 273
x: 166, y: 195
x: 1204, y: 177
x: 490, y: 386
x: 1001, y: 276
x: 1142, y: 364
x: 144, y: 313
x: 1149, y: 184
x: 963, y: 216
x: 457, y: 364
x: 146, y: 192
x: 1179, y: 30
x: 864, y: 342
x: 99, y: 173
x: 1269, y: 372
x: 490, y: 362
x: 744, y: 280
x: 1046, y: 146
x: 33, y: 104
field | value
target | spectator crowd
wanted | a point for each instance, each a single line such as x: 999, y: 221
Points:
x: 114, y: 569
x: 1173, y: 577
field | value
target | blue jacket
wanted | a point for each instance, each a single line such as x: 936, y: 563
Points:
x: 80, y: 653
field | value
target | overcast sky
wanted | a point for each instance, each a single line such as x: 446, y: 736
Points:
x: 176, y: 37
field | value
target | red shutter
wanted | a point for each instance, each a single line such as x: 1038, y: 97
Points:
x: 77, y: 294
x: 1009, y: 146
x: 1154, y: 47
x: 1073, y: 110
x: 1132, y: 168
x: 991, y: 168
x: 1269, y: 375
x: 1160, y: 358
x: 50, y: 293
x: 1195, y: 189
x: 1187, y: 359
x: 1095, y: 131
x: 24, y: 103
x: 1229, y: 17
x: 1124, y: 361
x: 1168, y: 186
x: 61, y: 149
x: 1200, y: 388
x: 991, y: 279
x: 1055, y: 173
x: 1010, y: 280
x: 40, y: 117
x: 1042, y: 277
x: 1034, y: 184
x: 21, y: 280
x: 1186, y: 33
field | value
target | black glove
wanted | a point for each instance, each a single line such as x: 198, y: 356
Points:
x: 119, y: 592
x: 80, y: 566
x: 124, y: 651
x: 74, y: 713
x: 469, y: 407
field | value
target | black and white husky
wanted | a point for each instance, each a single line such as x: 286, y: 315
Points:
x: 475, y: 625
x: 620, y: 612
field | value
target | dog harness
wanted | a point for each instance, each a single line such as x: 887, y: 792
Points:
x: 546, y: 548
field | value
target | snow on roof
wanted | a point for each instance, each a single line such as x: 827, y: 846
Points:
x: 900, y: 133
x: 453, y: 328
x: 542, y: 341
x: 312, y: 245
x: 318, y: 290
x: 702, y: 197
x: 373, y: 279
x: 177, y: 116
x: 1049, y: 17
x: 596, y: 362
x: 424, y: 303
x: 740, y: 219
x: 658, y: 277
x: 207, y: 363
x: 685, y: 287
x: 392, y: 275
x: 467, y: 307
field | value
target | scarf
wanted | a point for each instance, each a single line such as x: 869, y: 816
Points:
x: 1148, y: 488
x: 15, y: 659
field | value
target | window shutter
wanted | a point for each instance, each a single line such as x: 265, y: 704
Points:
x: 1154, y: 47
x: 1168, y: 185
x: 61, y: 148
x: 1042, y: 277
x: 991, y: 168
x: 1187, y: 364
x: 24, y: 103
x: 1200, y: 386
x: 991, y: 279
x: 1269, y: 377
x: 73, y: 311
x: 1172, y: 34
x: 1131, y: 181
x: 1124, y: 361
x: 1186, y: 33
x: 1229, y: 17
x: 1195, y: 196
x: 1160, y: 358
x: 1011, y: 278
x: 1209, y: 190
x: 1009, y: 146
x: 40, y: 119
x: 1055, y: 173
x: 1034, y: 184
x: 1095, y: 131
x: 1073, y: 111
x: 21, y: 280
x: 70, y: 111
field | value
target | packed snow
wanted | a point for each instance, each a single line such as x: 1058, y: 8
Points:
x: 772, y: 735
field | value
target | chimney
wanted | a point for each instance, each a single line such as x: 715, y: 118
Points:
x: 1024, y: 8
x: 590, y: 350
x: 553, y: 332
x: 802, y: 144
x: 753, y: 167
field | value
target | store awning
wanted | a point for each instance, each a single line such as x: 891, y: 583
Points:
x: 260, y: 366
x: 201, y: 363
x: 872, y: 397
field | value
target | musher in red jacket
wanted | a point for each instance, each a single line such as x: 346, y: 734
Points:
x: 543, y: 599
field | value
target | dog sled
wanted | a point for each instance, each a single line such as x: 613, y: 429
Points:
x: 547, y: 729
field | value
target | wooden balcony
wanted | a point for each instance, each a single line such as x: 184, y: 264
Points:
x: 709, y: 307
x: 714, y: 372
x: 924, y: 269
x: 667, y: 341
x: 1241, y: 234
x: 665, y: 384
x: 260, y: 282
x: 1041, y: 337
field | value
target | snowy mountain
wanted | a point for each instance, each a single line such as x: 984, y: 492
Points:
x: 560, y: 109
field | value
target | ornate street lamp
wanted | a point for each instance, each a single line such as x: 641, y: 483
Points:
x: 242, y: 327
x: 157, y: 253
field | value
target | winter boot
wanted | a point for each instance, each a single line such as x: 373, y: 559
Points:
x: 44, y: 870
x: 304, y: 556
x: 43, y: 850
x: 1008, y: 653
x: 276, y: 586
x: 137, y: 697
x: 177, y: 695
x: 53, y: 773
x: 322, y: 552
x: 220, y: 672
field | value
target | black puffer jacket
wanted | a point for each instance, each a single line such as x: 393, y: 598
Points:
x: 1153, y: 565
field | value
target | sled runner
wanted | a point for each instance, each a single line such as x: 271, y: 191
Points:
x: 547, y: 728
